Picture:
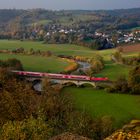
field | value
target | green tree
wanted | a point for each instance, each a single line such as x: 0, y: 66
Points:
x: 134, y: 80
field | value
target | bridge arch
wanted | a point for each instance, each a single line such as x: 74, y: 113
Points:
x: 89, y: 83
x: 36, y: 81
x: 78, y: 83
x: 63, y: 82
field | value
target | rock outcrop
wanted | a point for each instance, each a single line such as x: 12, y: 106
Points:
x: 130, y: 131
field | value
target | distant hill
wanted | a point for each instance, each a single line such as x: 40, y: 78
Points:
x: 16, y: 19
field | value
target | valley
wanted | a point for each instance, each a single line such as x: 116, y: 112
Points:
x: 95, y: 102
x: 71, y: 74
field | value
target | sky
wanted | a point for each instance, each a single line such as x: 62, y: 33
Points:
x: 69, y: 4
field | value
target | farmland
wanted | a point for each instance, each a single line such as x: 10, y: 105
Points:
x: 131, y: 48
x: 43, y: 64
x: 54, y: 48
x: 67, y: 49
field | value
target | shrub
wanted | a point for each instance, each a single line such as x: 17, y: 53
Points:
x: 134, y: 80
x: 28, y: 129
x: 120, y: 85
x: 12, y: 64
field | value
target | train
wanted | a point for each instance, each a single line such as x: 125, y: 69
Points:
x: 60, y: 76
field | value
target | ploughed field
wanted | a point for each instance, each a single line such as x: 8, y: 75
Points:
x: 132, y: 48
x: 98, y: 103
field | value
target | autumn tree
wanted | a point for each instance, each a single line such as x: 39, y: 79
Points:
x: 27, y: 129
x: 134, y: 80
x: 97, y: 63
x: 28, y: 115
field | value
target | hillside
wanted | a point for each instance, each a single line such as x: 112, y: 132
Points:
x: 99, y: 19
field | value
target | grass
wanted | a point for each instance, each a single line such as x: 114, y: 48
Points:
x: 65, y: 21
x: 85, y: 17
x: 98, y: 103
x: 42, y: 64
x: 112, y: 71
x: 57, y: 49
x: 43, y: 22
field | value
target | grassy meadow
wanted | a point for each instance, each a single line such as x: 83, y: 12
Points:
x: 99, y: 103
x: 57, y: 49
x: 42, y: 64
x: 113, y: 71
x: 33, y: 63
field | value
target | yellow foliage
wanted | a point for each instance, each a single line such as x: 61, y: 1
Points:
x: 28, y: 129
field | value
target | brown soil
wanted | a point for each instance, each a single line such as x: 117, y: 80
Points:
x: 130, y: 48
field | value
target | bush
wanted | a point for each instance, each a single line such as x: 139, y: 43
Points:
x: 11, y: 64
x: 24, y: 114
x: 120, y: 85
x: 134, y: 80
x: 72, y: 67
x: 28, y: 129
x: 117, y: 57
x: 97, y: 63
x: 97, y: 66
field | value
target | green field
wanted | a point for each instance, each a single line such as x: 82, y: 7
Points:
x: 33, y: 63
x: 42, y: 64
x: 113, y: 71
x: 57, y: 49
x: 98, y: 103
x: 54, y: 48
x: 43, y: 22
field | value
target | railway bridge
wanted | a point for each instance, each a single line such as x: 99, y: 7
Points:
x: 61, y: 78
x: 62, y: 81
x: 78, y: 83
